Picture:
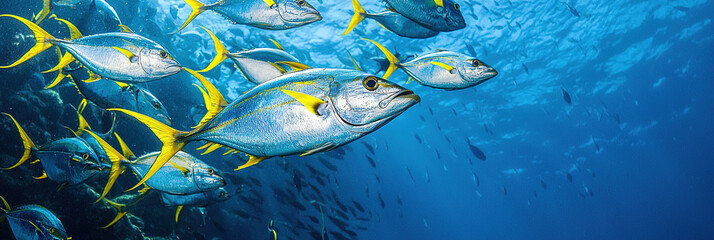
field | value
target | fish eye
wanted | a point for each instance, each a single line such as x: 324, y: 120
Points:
x: 85, y: 156
x: 210, y: 171
x: 157, y: 105
x: 163, y: 54
x: 476, y: 63
x: 457, y: 7
x: 52, y: 230
x: 370, y: 83
x: 301, y: 2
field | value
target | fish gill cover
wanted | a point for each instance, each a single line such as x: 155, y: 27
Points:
x: 596, y: 126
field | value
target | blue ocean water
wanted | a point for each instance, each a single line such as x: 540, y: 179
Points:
x: 628, y: 158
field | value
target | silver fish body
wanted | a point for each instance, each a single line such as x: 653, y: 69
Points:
x: 284, y: 14
x: 200, y: 176
x: 467, y: 71
x: 34, y: 222
x: 69, y: 160
x: 402, y: 25
x: 200, y: 199
x: 266, y: 121
x: 256, y: 65
x: 428, y: 14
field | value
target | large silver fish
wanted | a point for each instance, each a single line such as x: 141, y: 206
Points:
x: 33, y: 222
x: 200, y: 199
x: 66, y: 161
x: 265, y: 14
x: 437, y: 15
x: 110, y: 94
x: 304, y: 112
x: 392, y: 21
x: 443, y: 69
x: 257, y: 65
x: 185, y: 174
x: 91, y: 16
x: 125, y: 57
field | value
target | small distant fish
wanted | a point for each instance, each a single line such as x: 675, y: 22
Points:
x: 381, y: 201
x: 371, y: 161
x: 681, y: 8
x: 597, y: 148
x: 416, y: 136
x: 569, y: 177
x: 566, y: 96
x: 572, y: 9
x: 588, y: 190
x: 525, y: 68
x: 368, y: 147
x: 296, y: 181
x: 471, y: 50
x: 505, y: 191
x: 410, y: 175
x: 426, y: 173
x: 477, y: 152
x: 542, y: 184
x: 475, y: 179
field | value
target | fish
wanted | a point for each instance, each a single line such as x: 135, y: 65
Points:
x: 543, y: 184
x: 327, y: 164
x: 410, y: 175
x: 475, y: 179
x: 295, y: 114
x: 185, y: 175
x: 296, y: 181
x: 437, y: 15
x: 201, y: 199
x: 67, y: 161
x: 257, y: 65
x: 368, y: 147
x: 33, y: 222
x: 597, y: 147
x: 358, y: 206
x: 110, y: 94
x: 263, y: 14
x: 477, y: 152
x: 442, y: 70
x: 392, y: 21
x: 505, y: 191
x: 416, y: 136
x: 588, y: 190
x: 399, y: 201
x: 572, y: 9
x: 471, y: 50
x: 525, y: 68
x: 566, y: 96
x: 569, y: 177
x: 381, y: 201
x: 119, y: 56
x: 426, y: 173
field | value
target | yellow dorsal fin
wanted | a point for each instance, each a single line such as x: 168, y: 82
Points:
x: 357, y: 17
x: 93, y: 77
x: 217, y: 102
x: 180, y: 168
x: 204, y: 146
x: 43, y: 13
x: 196, y: 8
x: 122, y: 85
x: 126, y: 152
x: 353, y: 60
x: 82, y: 106
x: 276, y: 44
x: 269, y: 2
x: 393, y: 61
x: 115, y: 157
x: 42, y: 38
x: 275, y: 65
x: 43, y: 176
x: 409, y: 80
x: 82, y: 124
x: 120, y: 212
x: 170, y: 138
x: 125, y: 28
x: 230, y: 151
x: 60, y: 76
x: 252, y: 160
x: 443, y: 65
x: 221, y: 52
x: 73, y: 30
x: 439, y: 3
x: 26, y: 143
x: 295, y: 65
x: 66, y: 59
x: 178, y: 210
x: 130, y: 55
x: 310, y: 102
x: 212, y: 148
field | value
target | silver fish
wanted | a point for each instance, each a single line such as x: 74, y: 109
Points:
x: 265, y: 14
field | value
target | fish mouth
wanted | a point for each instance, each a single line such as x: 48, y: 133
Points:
x: 175, y: 68
x: 483, y: 76
x: 403, y: 93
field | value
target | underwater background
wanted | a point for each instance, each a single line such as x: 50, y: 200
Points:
x: 598, y: 126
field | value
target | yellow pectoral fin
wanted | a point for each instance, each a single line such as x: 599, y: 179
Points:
x: 310, y: 102
x: 180, y: 168
x: 439, y: 3
x: 178, y: 210
x: 276, y: 44
x: 252, y: 160
x: 130, y: 55
x: 269, y: 2
x: 443, y: 65
x: 122, y: 85
x: 282, y: 70
x: 125, y: 29
x: 295, y: 65
x: 126, y: 152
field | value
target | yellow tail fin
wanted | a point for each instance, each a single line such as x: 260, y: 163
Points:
x: 120, y: 212
x: 44, y: 40
x: 220, y: 52
x: 357, y: 17
x: 43, y: 13
x: 393, y: 61
x: 196, y: 8
x: 26, y: 142
x: 74, y: 31
x: 214, y: 101
x: 115, y: 157
x: 168, y: 136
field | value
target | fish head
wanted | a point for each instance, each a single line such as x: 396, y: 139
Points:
x: 157, y: 62
x: 452, y: 14
x: 149, y: 105
x: 298, y: 12
x: 219, y: 195
x: 363, y: 101
x: 207, y: 178
x: 475, y: 71
x: 51, y: 232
